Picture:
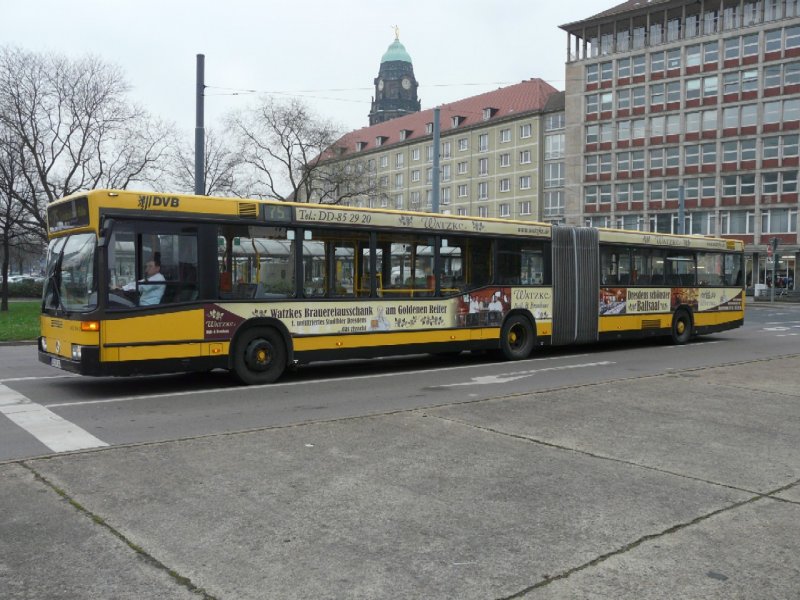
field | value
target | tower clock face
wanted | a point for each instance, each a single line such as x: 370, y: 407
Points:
x: 406, y: 83
x: 380, y: 84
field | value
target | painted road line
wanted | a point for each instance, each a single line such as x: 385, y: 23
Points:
x: 53, y: 431
x: 38, y: 377
x: 506, y: 377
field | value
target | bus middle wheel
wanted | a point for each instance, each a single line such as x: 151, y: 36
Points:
x: 259, y: 356
x: 516, y: 338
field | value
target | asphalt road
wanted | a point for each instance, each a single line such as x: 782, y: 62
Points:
x: 639, y: 470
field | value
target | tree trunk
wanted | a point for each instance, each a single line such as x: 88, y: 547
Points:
x: 4, y: 286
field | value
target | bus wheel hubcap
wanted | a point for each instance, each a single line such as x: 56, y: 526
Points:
x: 681, y: 327
x: 257, y: 355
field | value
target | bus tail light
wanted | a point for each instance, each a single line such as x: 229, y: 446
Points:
x: 90, y: 326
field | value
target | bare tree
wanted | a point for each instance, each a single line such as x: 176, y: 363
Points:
x: 13, y: 224
x: 287, y: 147
x: 74, y: 129
x: 223, y: 170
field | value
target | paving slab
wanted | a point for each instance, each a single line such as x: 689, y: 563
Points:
x: 792, y: 494
x: 737, y: 426
x: 49, y: 549
x: 748, y: 552
x: 399, y: 506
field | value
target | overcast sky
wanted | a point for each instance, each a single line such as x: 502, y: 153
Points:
x: 325, y: 51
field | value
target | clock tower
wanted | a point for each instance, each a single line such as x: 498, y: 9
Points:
x: 395, y: 85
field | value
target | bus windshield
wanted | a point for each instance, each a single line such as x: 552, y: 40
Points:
x: 71, y: 284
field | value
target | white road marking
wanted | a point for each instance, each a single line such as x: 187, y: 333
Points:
x: 71, y: 376
x: 687, y: 346
x: 53, y: 431
x: 506, y: 377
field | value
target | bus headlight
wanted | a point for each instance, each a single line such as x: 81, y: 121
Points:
x: 43, y: 343
x: 76, y: 352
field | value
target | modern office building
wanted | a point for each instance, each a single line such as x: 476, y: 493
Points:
x: 692, y: 102
x: 501, y: 155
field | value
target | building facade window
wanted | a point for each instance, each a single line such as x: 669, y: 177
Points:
x: 554, y: 173
x: 553, y: 203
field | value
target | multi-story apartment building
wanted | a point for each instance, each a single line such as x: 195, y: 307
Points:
x: 693, y: 100
x: 491, y: 156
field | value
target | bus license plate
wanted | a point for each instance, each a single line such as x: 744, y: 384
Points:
x: 55, y: 362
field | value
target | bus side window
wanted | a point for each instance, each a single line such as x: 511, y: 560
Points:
x: 641, y: 272
x: 335, y: 264
x: 732, y: 270
x: 479, y: 263
x: 680, y: 269
x: 608, y: 266
x: 256, y: 261
x: 520, y: 262
x: 709, y: 268
x: 406, y: 265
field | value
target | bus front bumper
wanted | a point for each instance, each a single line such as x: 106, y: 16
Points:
x: 86, y: 363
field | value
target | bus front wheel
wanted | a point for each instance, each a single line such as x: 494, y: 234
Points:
x: 259, y: 356
x: 516, y: 338
x: 681, y: 327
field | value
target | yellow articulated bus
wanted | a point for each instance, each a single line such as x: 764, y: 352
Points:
x: 152, y: 283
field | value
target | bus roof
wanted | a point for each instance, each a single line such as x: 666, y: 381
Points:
x: 279, y: 212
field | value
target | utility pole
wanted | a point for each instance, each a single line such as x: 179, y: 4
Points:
x: 436, y: 144
x: 199, y: 129
x: 773, y: 244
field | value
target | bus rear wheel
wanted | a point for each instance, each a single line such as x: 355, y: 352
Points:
x: 516, y: 338
x: 259, y: 357
x: 681, y: 327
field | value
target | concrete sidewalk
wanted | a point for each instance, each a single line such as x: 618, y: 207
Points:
x: 676, y: 486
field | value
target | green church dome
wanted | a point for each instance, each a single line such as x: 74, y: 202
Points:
x: 396, y: 52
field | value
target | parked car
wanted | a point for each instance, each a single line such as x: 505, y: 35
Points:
x: 24, y: 278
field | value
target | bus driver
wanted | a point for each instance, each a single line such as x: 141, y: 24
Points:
x: 149, y: 294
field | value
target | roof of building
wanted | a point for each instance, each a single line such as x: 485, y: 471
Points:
x: 396, y: 51
x: 630, y: 5
x: 555, y: 102
x: 528, y: 96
